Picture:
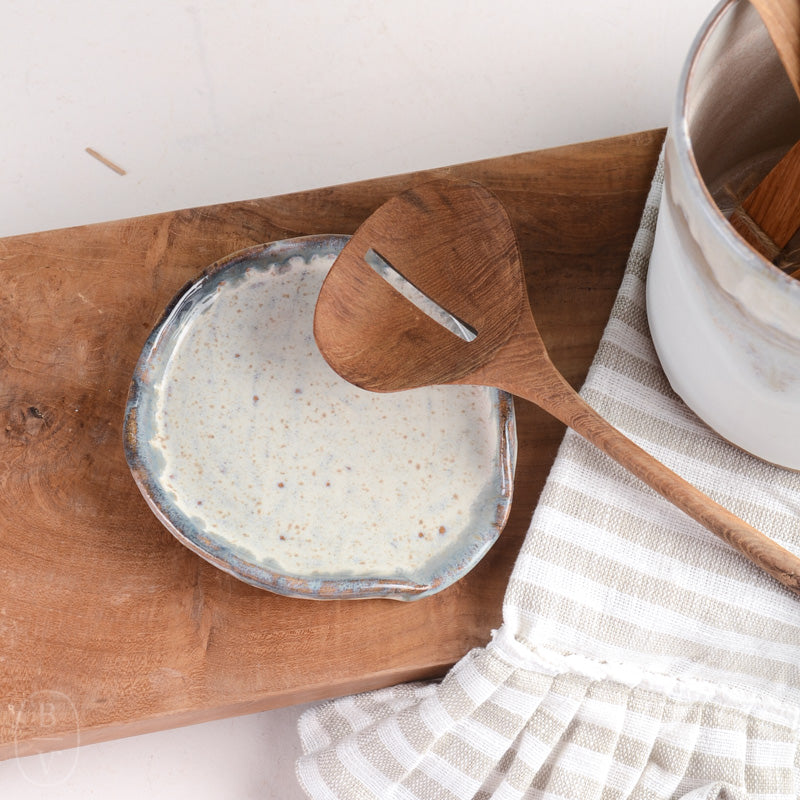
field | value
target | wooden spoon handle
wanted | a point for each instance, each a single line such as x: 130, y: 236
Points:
x: 770, y: 215
x: 782, y: 20
x: 524, y: 369
x: 765, y: 553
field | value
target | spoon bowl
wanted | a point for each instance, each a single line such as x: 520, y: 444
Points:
x: 383, y: 345
x: 454, y: 243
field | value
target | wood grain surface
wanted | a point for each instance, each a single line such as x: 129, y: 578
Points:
x: 770, y: 215
x: 110, y: 627
x: 782, y: 19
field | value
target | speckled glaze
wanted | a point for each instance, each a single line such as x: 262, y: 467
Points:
x: 258, y: 457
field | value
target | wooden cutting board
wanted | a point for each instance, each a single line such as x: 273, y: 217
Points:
x: 110, y: 627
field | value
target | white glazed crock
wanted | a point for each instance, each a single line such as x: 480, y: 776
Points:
x: 725, y: 322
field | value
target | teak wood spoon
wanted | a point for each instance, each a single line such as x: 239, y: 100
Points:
x: 455, y: 243
x: 770, y: 215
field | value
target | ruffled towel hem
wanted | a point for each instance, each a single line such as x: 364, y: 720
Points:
x: 510, y: 721
x: 652, y: 677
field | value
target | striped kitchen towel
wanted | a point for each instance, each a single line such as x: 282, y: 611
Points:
x: 639, y: 656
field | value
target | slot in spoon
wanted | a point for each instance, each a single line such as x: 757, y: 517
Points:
x: 455, y: 243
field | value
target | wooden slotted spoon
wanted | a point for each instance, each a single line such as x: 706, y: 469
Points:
x: 455, y: 243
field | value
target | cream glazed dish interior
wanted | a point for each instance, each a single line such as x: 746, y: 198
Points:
x: 258, y: 457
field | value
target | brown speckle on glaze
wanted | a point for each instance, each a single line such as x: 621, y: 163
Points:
x: 369, y: 483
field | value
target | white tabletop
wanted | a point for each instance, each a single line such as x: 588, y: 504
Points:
x: 203, y: 102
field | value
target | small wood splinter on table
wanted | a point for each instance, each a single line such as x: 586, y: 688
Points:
x: 104, y: 160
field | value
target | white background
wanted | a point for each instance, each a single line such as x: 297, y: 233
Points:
x: 203, y: 102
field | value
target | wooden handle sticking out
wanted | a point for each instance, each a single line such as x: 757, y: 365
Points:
x: 770, y: 215
x: 782, y: 20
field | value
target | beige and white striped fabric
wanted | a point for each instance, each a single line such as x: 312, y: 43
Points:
x: 639, y: 656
